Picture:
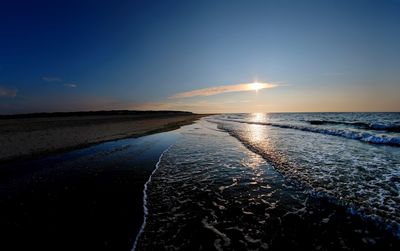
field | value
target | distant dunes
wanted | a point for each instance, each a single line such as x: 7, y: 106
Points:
x: 94, y: 113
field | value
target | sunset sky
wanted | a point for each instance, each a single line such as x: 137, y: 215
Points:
x: 199, y: 55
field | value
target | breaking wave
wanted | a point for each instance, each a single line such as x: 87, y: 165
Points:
x: 356, y: 135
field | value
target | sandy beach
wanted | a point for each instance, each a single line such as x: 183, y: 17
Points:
x: 26, y: 136
x: 85, y: 199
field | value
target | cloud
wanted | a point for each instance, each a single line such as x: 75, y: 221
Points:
x: 58, y: 80
x: 51, y: 79
x: 70, y: 85
x: 7, y: 92
x: 224, y: 89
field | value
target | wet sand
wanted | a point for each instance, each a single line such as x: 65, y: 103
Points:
x: 27, y: 135
x: 85, y: 195
x: 86, y: 199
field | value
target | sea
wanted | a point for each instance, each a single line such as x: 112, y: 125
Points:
x: 277, y: 181
x: 260, y: 181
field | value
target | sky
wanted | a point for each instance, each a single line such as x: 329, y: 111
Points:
x: 199, y: 56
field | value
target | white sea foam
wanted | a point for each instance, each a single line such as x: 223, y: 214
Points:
x: 210, y: 186
x: 369, y: 137
x: 362, y: 176
x: 145, y: 210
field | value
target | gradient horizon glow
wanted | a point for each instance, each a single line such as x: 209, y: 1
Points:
x: 200, y: 56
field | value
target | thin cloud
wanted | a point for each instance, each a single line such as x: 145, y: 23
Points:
x: 224, y: 89
x: 7, y: 92
x: 51, y: 79
x: 71, y: 85
x: 59, y: 80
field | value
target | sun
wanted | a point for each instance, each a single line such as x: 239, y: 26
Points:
x: 256, y: 86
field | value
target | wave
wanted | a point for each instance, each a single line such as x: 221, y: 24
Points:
x: 360, y: 125
x: 361, y: 136
x: 145, y: 209
x: 325, y: 185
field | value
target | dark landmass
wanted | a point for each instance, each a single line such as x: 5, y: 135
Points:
x: 30, y: 135
x: 93, y: 113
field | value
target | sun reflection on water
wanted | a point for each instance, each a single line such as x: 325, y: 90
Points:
x: 261, y: 137
x: 259, y: 117
x: 256, y: 132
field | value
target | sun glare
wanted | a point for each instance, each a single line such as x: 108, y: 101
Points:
x: 256, y: 86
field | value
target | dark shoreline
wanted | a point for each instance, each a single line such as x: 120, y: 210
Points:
x: 33, y: 136
x: 87, y: 199
x: 94, y: 113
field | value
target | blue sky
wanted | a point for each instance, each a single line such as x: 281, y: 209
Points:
x: 90, y: 55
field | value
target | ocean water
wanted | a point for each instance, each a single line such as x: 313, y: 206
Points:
x: 306, y: 181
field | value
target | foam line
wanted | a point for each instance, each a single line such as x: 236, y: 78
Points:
x: 360, y: 136
x: 145, y: 210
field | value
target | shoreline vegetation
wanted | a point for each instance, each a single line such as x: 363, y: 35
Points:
x: 24, y: 136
